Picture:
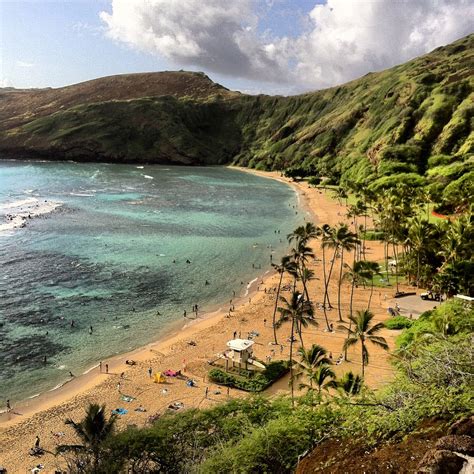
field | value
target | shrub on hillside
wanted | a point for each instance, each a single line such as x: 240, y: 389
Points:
x: 398, y: 322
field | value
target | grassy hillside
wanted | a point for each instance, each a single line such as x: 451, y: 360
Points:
x: 411, y: 123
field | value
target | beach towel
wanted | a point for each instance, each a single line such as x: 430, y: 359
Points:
x: 127, y: 398
x: 170, y: 373
x: 120, y: 411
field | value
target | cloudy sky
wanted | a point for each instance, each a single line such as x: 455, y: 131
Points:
x: 270, y: 46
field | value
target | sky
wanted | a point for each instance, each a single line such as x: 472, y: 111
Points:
x: 255, y: 46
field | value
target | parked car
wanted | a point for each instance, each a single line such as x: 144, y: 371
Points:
x: 429, y: 295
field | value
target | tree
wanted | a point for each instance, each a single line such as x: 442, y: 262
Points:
x: 347, y: 241
x: 350, y: 384
x: 93, y: 431
x: 310, y: 360
x: 363, y: 332
x: 296, y: 310
x: 368, y: 270
x: 320, y: 378
x: 285, y: 265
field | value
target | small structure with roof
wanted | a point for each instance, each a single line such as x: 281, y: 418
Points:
x: 241, y: 350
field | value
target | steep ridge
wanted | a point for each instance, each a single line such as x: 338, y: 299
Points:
x: 411, y: 122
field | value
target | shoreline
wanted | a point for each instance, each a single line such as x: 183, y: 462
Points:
x: 174, y: 332
x: 46, y: 419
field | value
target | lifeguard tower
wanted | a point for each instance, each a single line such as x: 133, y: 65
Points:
x: 240, y: 352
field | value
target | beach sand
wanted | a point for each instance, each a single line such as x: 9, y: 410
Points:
x: 45, y: 415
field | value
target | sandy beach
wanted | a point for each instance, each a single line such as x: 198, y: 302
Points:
x: 44, y: 416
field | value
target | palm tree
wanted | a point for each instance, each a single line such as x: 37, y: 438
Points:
x: 363, y: 332
x: 319, y: 378
x: 347, y: 241
x: 93, y: 431
x: 369, y: 270
x: 285, y: 265
x: 296, y: 311
x: 350, y: 384
x: 310, y: 360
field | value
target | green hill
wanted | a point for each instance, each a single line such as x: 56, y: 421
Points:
x: 411, y: 123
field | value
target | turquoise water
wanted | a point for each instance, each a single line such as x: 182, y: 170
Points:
x: 114, y: 253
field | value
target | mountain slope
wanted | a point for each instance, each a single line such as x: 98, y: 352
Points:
x: 408, y: 121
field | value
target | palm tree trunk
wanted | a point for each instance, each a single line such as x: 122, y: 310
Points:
x: 363, y: 359
x: 385, y: 249
x: 326, y: 296
x: 339, y: 288
x: 396, y: 261
x: 371, y: 293
x: 291, y: 363
x: 350, y: 313
x: 275, y: 309
x: 325, y: 288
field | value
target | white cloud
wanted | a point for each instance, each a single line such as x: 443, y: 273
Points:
x: 216, y: 35
x: 344, y: 39
x: 24, y: 64
x: 350, y: 38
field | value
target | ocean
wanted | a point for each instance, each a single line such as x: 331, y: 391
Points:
x: 99, y: 259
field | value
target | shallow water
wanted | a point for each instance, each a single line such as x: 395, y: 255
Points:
x: 114, y: 253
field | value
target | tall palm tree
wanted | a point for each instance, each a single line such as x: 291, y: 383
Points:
x: 369, y: 270
x: 347, y: 241
x: 294, y: 310
x: 92, y: 431
x: 310, y: 360
x: 285, y: 265
x: 350, y: 384
x: 364, y: 332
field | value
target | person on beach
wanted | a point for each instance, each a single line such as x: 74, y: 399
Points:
x: 184, y: 313
x: 122, y: 375
x: 265, y: 323
x: 9, y: 407
x: 118, y: 387
x: 150, y: 371
x: 235, y: 335
x: 281, y: 348
x: 90, y: 330
x: 106, y: 368
x: 37, y: 442
x: 100, y: 366
x: 71, y: 374
x: 207, y: 391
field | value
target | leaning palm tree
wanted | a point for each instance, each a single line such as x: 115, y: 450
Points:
x: 92, y: 431
x: 295, y: 310
x: 363, y: 332
x: 310, y: 360
x: 350, y: 384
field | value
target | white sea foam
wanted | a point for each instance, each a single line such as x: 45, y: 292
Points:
x: 250, y: 283
x: 148, y: 177
x: 17, y: 213
x: 139, y: 167
x: 90, y: 369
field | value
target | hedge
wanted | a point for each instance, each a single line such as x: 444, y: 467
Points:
x: 256, y: 383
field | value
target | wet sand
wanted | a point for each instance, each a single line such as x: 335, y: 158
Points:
x: 45, y: 415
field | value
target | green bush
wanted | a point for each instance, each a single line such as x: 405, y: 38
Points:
x: 398, y: 322
x: 255, y: 383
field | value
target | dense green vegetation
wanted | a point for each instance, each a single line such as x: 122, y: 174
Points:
x: 434, y: 378
x: 411, y: 124
x: 250, y: 382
